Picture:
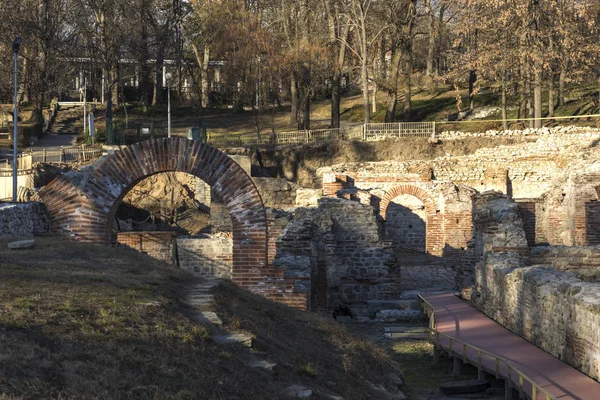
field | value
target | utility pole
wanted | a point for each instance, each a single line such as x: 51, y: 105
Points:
x: 16, y: 45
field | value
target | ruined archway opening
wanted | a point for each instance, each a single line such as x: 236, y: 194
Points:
x: 168, y: 201
x: 406, y: 228
x: 177, y: 218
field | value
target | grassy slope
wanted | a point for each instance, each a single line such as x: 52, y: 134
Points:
x: 81, y: 322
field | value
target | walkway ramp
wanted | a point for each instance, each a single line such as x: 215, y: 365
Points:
x: 478, y: 340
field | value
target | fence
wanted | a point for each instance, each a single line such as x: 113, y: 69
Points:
x: 478, y: 357
x: 125, y: 134
x: 371, y: 132
x: 4, y: 127
x: 24, y: 162
x: 69, y: 154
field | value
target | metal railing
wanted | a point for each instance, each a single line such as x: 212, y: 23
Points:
x: 370, y: 132
x: 497, y: 360
x: 61, y: 155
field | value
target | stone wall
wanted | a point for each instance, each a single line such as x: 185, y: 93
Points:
x: 276, y: 192
x: 554, y: 310
x: 207, y: 257
x: 339, y: 247
x: 551, y: 308
x: 584, y: 262
x: 24, y: 219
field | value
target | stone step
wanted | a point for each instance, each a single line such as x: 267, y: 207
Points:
x: 234, y: 339
x: 22, y: 244
x: 405, y: 329
x: 407, y: 336
x: 298, y: 392
x: 377, y: 305
x: 208, y: 317
x: 399, y: 315
x: 414, y: 294
x: 264, y: 365
x: 404, y: 332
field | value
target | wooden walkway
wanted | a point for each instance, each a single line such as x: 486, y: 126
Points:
x: 459, y: 320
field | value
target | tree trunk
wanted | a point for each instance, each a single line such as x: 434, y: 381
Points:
x: 561, y: 85
x: 407, y: 90
x: 598, y: 80
x: 432, y: 38
x: 158, y: 73
x: 304, y: 99
x: 537, y: 98
x: 294, y: 99
x: 364, y: 76
x: 204, y: 76
x: 392, y: 89
x: 115, y: 82
x: 551, y: 95
x: 336, y: 99
x: 504, y: 119
x: 472, y: 80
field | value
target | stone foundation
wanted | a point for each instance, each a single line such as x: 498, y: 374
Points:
x: 24, y: 219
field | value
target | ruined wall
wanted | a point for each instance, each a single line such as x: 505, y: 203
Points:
x: 554, y: 310
x: 276, y: 192
x: 24, y: 219
x: 584, y: 262
x: 158, y: 245
x: 339, y: 247
x: 210, y: 256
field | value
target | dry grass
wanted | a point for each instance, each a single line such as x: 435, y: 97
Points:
x: 87, y: 322
x: 310, y: 350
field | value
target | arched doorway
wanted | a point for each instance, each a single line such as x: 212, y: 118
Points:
x: 428, y: 213
x: 406, y: 227
x: 83, y: 207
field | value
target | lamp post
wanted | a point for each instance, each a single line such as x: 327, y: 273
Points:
x: 84, y: 92
x: 15, y: 47
x: 169, y: 77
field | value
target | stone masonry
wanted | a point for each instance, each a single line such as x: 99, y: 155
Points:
x: 207, y: 257
x: 24, y: 219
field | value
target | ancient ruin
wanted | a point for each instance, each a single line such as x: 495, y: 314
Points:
x: 514, y: 227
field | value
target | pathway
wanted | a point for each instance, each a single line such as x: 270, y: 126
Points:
x: 461, y: 321
x: 56, y: 140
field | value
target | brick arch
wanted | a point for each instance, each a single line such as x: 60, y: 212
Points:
x: 84, y: 209
x: 433, y: 223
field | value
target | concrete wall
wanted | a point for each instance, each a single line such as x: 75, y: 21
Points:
x: 24, y: 219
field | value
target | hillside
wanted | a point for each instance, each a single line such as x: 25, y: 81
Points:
x: 81, y: 322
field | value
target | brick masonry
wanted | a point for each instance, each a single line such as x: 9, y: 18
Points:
x: 158, y: 245
x: 82, y: 205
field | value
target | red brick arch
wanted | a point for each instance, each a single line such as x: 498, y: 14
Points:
x: 434, y: 235
x: 84, y: 209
